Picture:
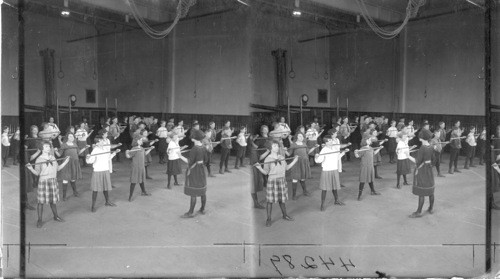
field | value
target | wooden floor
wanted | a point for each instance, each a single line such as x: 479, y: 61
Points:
x: 147, y: 237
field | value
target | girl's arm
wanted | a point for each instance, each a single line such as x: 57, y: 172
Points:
x: 378, y: 150
x: 30, y: 167
x: 258, y: 166
x: 90, y: 159
x: 289, y: 166
x: 264, y: 155
x: 83, y: 149
x: 151, y: 148
x: 412, y: 159
x: 113, y: 154
x: 56, y: 151
x: 184, y: 159
x: 35, y: 155
x: 318, y: 158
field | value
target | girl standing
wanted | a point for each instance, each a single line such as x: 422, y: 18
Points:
x: 377, y: 158
x: 470, y: 152
x: 174, y: 163
x: 392, y: 134
x: 5, y: 145
x: 196, y: 181
x: 302, y: 170
x: 72, y: 171
x: 438, y: 148
x: 455, y: 146
x: 15, y: 142
x: 312, y: 139
x: 226, y: 147
x: 81, y: 137
x: 162, y: 135
x: 367, y: 172
x: 138, y: 174
x: 481, y: 146
x: 46, y: 169
x: 275, y: 167
x: 423, y: 182
x: 330, y: 160
x: 258, y: 180
x: 207, y: 143
x: 147, y: 144
x: 403, y: 152
x: 242, y: 147
x: 101, y: 179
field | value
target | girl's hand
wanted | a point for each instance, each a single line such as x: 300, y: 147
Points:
x: 87, y: 157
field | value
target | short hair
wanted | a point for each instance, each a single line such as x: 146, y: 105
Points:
x: 42, y: 143
x: 327, y: 138
x: 210, y: 123
x: 262, y: 128
x: 98, y: 138
x: 67, y: 135
x: 243, y: 127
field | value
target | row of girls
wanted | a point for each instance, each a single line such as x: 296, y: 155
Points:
x: 270, y: 149
x: 42, y: 156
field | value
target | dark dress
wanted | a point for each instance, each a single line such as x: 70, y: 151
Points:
x: 302, y: 169
x: 257, y: 177
x: 31, y: 179
x: 72, y: 170
x: 196, y: 180
x: 423, y: 181
x: 138, y: 172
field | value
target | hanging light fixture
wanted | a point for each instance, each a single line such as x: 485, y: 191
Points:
x: 65, y: 12
x: 296, y: 12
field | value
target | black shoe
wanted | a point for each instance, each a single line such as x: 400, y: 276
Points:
x: 259, y: 206
x: 110, y: 204
x: 288, y: 218
x: 58, y: 219
x: 145, y: 194
x: 375, y: 193
x: 227, y: 171
x: 456, y: 170
x: 415, y: 215
x: 268, y: 223
x: 187, y: 215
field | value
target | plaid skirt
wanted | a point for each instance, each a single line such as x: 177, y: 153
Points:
x: 48, y: 191
x: 100, y: 181
x: 276, y: 190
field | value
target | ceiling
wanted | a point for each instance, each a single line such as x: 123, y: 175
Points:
x: 337, y: 15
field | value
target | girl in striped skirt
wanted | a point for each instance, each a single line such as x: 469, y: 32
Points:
x: 275, y: 167
x: 101, y: 179
x: 46, y: 169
